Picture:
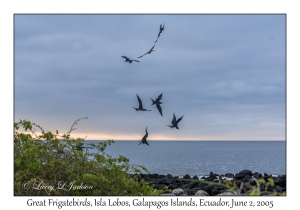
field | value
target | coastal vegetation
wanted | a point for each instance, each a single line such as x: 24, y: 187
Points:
x: 50, y: 163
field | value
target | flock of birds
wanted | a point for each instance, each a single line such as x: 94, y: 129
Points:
x: 161, y: 28
x: 157, y: 101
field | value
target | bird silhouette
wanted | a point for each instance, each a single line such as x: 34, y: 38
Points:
x: 129, y: 60
x: 144, y: 141
x: 175, y: 122
x: 151, y: 50
x: 161, y: 28
x: 140, y: 105
x: 157, y: 103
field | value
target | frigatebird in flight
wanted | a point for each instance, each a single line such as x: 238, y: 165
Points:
x: 157, y: 103
x: 128, y: 59
x: 161, y: 28
x: 151, y: 50
x: 175, y: 122
x: 144, y: 141
x: 140, y: 105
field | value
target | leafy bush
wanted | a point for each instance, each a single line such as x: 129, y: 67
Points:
x: 53, y: 164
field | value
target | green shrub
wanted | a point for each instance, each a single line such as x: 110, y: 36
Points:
x: 53, y: 164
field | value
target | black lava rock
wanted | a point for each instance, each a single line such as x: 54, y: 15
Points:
x: 257, y: 175
x: 169, y: 176
x: 154, y: 176
x: 210, y: 179
x: 281, y: 181
x: 165, y: 181
x: 173, y: 186
x: 209, y: 189
x: 187, y: 176
x: 247, y: 178
x: 229, y: 175
x: 158, y: 186
x: 242, y: 174
x: 196, y: 177
x: 192, y: 191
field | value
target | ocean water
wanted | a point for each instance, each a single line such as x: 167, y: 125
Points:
x: 201, y: 157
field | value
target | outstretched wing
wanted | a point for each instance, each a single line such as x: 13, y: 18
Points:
x: 159, y: 109
x: 159, y: 97
x: 145, y: 137
x: 140, y: 102
x: 151, y: 49
x: 179, y: 119
x: 142, y: 55
x: 174, y: 119
x: 157, y: 37
x: 125, y: 57
x: 161, y: 28
x: 148, y: 52
x: 153, y: 102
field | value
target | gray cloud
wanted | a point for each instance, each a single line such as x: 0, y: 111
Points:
x: 224, y: 73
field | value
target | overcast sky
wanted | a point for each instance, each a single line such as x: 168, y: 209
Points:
x: 224, y: 73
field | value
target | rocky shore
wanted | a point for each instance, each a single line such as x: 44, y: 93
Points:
x: 243, y: 183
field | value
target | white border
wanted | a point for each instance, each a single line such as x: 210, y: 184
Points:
x: 8, y: 8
